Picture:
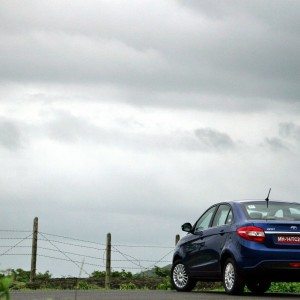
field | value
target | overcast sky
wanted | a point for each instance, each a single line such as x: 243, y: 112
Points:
x: 132, y: 117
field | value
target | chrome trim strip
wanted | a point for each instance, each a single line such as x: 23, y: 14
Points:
x: 282, y: 232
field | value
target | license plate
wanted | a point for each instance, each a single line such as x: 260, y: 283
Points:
x: 288, y: 239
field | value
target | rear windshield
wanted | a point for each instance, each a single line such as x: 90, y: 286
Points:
x: 274, y: 211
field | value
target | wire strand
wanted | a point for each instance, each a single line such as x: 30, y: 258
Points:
x: 101, y: 244
x: 12, y: 247
x: 90, y: 264
x: 126, y: 257
x: 88, y: 256
x: 16, y: 254
x: 15, y: 238
x: 74, y: 261
x: 160, y: 260
x: 143, y: 246
x: 72, y: 253
x: 73, y: 239
x: 14, y: 230
x: 65, y: 254
x: 70, y: 244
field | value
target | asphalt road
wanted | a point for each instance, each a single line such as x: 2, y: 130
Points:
x: 137, y: 295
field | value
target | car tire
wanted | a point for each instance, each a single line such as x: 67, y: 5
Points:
x: 232, y: 280
x: 180, y: 278
x: 258, y: 287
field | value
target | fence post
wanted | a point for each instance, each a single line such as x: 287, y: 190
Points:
x: 177, y: 238
x: 34, y: 249
x: 108, y: 261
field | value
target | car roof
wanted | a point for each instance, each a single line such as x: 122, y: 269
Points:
x: 261, y: 200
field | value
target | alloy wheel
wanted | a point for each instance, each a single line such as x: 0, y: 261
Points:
x: 180, y: 276
x: 229, y: 276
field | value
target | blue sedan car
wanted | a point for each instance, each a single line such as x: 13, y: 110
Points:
x: 240, y: 243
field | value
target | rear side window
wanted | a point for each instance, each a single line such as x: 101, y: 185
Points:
x: 223, y: 216
x: 274, y: 211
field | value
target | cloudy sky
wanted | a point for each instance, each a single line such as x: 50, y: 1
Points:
x: 131, y: 117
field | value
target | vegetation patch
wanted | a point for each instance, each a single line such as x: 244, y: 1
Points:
x: 5, y: 283
x: 155, y: 279
x: 285, y: 287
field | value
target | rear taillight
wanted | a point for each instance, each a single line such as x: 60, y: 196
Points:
x: 295, y: 264
x: 252, y: 233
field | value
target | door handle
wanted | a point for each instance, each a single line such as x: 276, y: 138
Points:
x: 221, y: 232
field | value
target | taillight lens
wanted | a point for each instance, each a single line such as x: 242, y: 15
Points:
x: 252, y: 233
x: 295, y: 264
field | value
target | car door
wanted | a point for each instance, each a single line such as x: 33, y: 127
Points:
x: 212, y: 241
x: 215, y: 240
x: 197, y: 240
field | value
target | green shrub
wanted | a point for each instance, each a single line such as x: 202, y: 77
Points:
x: 123, y: 274
x: 161, y: 272
x: 83, y: 285
x: 165, y: 284
x: 5, y: 283
x: 21, y: 275
x: 43, y: 276
x: 128, y: 286
x: 285, y: 287
x: 98, y: 274
x: 18, y: 285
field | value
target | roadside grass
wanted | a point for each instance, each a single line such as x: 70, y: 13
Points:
x: 276, y: 287
x: 121, y: 280
x: 285, y: 287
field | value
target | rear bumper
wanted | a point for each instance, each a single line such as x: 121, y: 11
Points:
x: 273, y: 270
x: 258, y: 261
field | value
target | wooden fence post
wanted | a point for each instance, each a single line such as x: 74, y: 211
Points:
x: 177, y: 238
x: 34, y: 249
x: 108, y: 261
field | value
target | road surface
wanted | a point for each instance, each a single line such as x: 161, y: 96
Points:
x: 137, y: 295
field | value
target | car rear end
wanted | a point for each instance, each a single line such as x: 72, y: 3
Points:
x: 269, y: 241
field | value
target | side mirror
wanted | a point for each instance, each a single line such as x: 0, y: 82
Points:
x: 187, y: 227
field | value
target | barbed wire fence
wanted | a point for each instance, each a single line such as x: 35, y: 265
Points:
x: 84, y: 255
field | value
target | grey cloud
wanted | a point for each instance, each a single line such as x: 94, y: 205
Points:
x: 289, y: 130
x: 276, y: 144
x: 153, y: 165
x: 240, y: 53
x: 10, y: 135
x: 288, y: 133
x: 213, y: 139
x: 283, y: 15
x: 68, y: 128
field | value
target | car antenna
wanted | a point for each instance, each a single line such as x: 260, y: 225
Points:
x: 267, y: 199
